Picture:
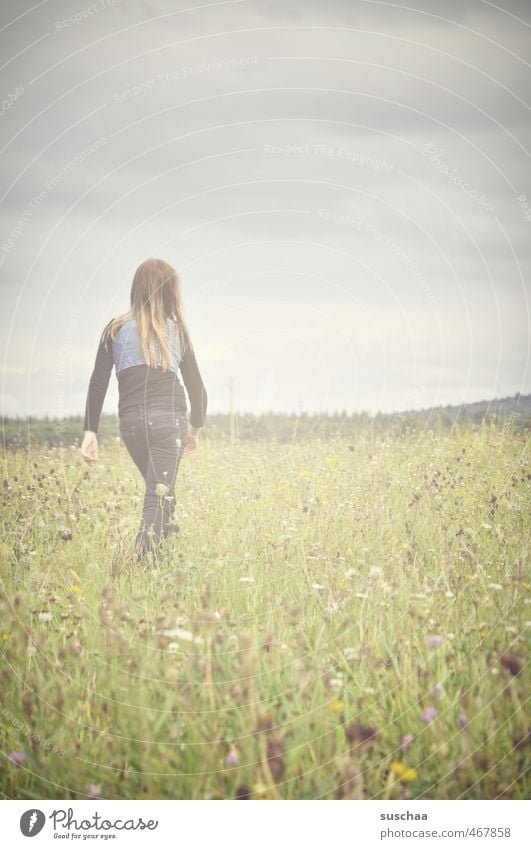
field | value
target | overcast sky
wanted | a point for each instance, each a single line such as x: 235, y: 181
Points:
x: 342, y: 185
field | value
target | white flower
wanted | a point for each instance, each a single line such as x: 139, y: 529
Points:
x: 495, y: 586
x: 351, y: 654
x: 45, y: 617
x: 247, y: 581
x: 486, y: 526
x: 180, y: 634
x: 317, y: 586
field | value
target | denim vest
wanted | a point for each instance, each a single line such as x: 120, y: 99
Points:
x: 126, y: 350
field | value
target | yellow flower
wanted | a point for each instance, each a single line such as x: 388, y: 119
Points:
x: 337, y: 706
x: 404, y: 546
x: 6, y: 637
x: 403, y: 772
x: 75, y: 588
x: 259, y: 790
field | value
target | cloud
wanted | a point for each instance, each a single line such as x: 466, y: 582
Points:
x: 226, y: 131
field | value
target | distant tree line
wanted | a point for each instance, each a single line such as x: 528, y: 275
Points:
x: 512, y: 414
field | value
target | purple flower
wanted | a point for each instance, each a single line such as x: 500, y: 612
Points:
x: 435, y: 640
x: 94, y: 791
x: 232, y: 758
x: 462, y: 720
x: 17, y: 758
x: 430, y: 714
x: 407, y: 740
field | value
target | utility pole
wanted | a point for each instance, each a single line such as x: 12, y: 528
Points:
x: 231, y: 408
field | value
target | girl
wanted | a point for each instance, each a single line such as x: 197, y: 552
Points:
x: 148, y: 345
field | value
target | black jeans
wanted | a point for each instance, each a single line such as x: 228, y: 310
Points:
x: 155, y: 437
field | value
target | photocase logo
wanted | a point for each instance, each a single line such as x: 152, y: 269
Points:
x: 32, y: 822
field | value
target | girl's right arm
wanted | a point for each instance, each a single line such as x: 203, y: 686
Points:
x: 97, y: 390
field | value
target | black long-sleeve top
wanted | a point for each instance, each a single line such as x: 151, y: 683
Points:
x: 142, y: 384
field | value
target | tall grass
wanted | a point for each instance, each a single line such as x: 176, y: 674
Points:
x: 336, y: 619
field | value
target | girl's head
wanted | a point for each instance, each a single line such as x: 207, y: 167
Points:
x: 155, y: 297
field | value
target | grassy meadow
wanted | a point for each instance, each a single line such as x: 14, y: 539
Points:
x: 340, y: 618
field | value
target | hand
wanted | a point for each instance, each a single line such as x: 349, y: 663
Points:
x: 193, y: 440
x: 89, y: 447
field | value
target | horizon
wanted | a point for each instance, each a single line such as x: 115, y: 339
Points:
x: 310, y: 413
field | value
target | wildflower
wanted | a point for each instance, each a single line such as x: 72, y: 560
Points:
x: 17, y: 758
x: 75, y: 588
x: 495, y: 586
x: 243, y: 792
x: 403, y: 772
x: 180, y: 634
x: 233, y: 758
x: 438, y: 691
x: 161, y: 489
x: 430, y: 714
x: 337, y: 706
x: 351, y: 654
x: 94, y: 791
x: 246, y: 580
x: 405, y: 546
x: 511, y: 662
x: 317, y: 586
x: 375, y: 572
x: 435, y: 640
x: 260, y: 790
x: 486, y: 526
x: 407, y: 740
x: 462, y: 720
x: 45, y: 617
x: 358, y: 733
x: 5, y: 637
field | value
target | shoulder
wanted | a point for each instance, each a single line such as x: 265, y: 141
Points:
x: 122, y: 324
x: 105, y: 332
x: 106, y: 338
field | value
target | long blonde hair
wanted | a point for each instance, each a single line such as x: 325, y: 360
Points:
x: 155, y: 297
